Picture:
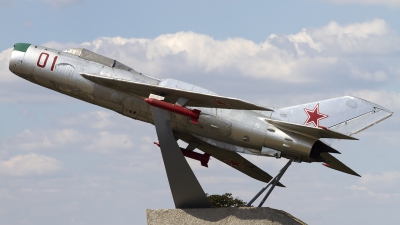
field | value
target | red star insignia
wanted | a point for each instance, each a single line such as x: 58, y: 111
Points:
x: 233, y: 163
x: 314, y: 116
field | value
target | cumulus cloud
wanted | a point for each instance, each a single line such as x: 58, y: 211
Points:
x: 30, y: 164
x: 39, y: 139
x: 384, y: 179
x: 5, y: 74
x: 381, y: 185
x: 332, y: 59
x: 14, y: 89
x: 331, y: 52
x: 106, y: 142
x: 372, y: 37
x: 95, y: 120
x: 388, y: 99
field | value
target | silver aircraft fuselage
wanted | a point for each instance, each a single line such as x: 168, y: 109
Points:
x: 242, y: 131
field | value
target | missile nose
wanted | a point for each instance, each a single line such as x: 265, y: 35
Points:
x: 17, y: 57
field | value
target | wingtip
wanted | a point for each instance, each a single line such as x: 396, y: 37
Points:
x: 351, y: 173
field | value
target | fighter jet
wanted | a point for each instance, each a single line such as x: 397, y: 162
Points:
x: 219, y: 126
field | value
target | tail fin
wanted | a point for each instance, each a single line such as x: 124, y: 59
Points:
x: 347, y: 115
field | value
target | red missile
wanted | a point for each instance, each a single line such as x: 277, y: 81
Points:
x: 192, y: 114
x: 203, y: 158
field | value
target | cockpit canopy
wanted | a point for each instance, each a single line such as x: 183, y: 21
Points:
x: 94, y: 57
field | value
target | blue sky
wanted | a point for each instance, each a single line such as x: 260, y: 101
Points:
x: 63, y: 161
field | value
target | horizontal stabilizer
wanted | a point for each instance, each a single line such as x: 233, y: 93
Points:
x: 335, y: 164
x: 309, y: 131
x: 195, y: 99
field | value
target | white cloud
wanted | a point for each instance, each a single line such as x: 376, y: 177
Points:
x: 364, y: 190
x: 338, y: 55
x: 30, y: 140
x: 37, y: 139
x: 387, y: 99
x: 372, y: 37
x: 382, y: 186
x: 388, y: 3
x: 384, y: 179
x: 373, y: 76
x: 5, y: 74
x: 329, y: 54
x: 96, y: 119
x: 14, y: 89
x: 30, y: 164
x: 306, y: 56
x: 106, y: 142
x: 67, y: 136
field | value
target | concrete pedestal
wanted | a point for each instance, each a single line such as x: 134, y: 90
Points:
x: 242, y: 215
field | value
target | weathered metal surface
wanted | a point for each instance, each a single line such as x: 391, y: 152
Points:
x: 233, y: 124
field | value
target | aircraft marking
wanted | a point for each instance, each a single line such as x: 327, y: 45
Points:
x: 221, y: 103
x: 42, y: 65
x: 233, y: 163
x: 314, y: 116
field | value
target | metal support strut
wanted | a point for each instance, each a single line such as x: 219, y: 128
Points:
x: 273, y: 181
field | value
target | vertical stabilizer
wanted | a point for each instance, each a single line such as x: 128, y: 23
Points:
x: 347, y: 115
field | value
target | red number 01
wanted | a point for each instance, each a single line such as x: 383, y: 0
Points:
x: 43, y: 65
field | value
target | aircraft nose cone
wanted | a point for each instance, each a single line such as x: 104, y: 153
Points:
x: 17, y: 57
x: 22, y: 47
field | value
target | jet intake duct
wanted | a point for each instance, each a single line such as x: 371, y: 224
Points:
x: 320, y: 147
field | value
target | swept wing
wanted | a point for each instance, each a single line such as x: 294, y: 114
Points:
x: 171, y: 95
x: 233, y: 160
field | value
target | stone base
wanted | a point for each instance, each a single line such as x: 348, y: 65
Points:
x: 242, y: 215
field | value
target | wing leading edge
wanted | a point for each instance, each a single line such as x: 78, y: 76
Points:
x: 195, y: 99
